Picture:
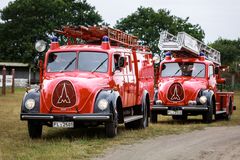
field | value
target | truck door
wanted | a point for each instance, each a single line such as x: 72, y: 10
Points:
x: 131, y: 89
x: 120, y: 78
x: 211, y: 78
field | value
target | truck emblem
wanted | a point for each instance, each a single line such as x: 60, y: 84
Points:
x: 64, y: 98
x: 175, y: 96
x: 175, y: 92
x: 64, y: 95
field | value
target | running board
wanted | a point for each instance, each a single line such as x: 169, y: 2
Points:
x: 220, y: 112
x: 128, y: 119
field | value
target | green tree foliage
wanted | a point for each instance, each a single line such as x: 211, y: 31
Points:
x: 230, y: 52
x: 25, y: 21
x: 147, y: 24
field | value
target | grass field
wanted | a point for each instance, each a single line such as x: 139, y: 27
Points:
x: 79, y: 144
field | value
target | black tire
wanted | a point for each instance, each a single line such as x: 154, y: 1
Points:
x: 154, y: 117
x: 111, y: 129
x: 34, y: 129
x: 181, y: 118
x: 141, y: 123
x: 229, y: 114
x: 208, y: 116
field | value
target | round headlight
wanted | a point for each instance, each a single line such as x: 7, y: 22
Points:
x: 30, y: 104
x: 156, y: 58
x: 158, y: 101
x: 103, y: 104
x: 40, y: 45
x: 203, y: 99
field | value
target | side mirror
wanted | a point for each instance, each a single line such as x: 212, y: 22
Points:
x: 216, y: 70
x: 121, y: 62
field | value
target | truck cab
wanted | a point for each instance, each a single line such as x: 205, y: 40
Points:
x: 188, y: 80
x: 92, y: 84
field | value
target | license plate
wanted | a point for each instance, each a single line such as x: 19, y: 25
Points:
x: 63, y: 124
x: 177, y: 112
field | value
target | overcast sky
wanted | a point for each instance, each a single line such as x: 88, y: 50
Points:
x: 218, y: 18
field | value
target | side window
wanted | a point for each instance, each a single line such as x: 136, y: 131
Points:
x: 115, y: 62
x: 130, y: 64
x: 210, y: 71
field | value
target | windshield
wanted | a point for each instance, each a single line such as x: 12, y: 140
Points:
x: 61, y: 61
x: 183, y: 69
x: 93, y: 62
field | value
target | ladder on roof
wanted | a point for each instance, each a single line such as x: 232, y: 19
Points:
x: 95, y: 34
x: 187, y: 46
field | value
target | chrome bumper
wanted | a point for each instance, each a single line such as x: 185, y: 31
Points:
x: 66, y: 117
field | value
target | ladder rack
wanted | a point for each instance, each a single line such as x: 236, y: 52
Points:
x: 94, y: 34
x: 187, y: 46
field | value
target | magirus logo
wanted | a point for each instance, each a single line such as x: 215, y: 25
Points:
x: 175, y: 92
x: 64, y: 95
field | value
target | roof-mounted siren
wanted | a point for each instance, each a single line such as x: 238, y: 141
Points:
x: 105, y: 43
x: 54, y: 43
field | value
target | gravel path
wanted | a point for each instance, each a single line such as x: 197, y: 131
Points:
x: 213, y: 143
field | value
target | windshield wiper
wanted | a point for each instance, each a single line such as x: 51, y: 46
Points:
x: 176, y: 72
x: 68, y: 65
x: 198, y: 73
x: 99, y: 65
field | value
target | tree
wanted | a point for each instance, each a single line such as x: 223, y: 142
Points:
x: 147, y: 24
x: 25, y: 21
x: 230, y: 52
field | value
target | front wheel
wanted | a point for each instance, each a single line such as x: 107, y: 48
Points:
x: 154, y: 117
x: 34, y: 129
x: 111, y: 127
x: 208, y: 116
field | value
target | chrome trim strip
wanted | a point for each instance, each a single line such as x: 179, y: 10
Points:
x: 36, y: 117
x: 91, y: 117
x: 159, y: 108
x: 195, y: 108
x: 132, y: 118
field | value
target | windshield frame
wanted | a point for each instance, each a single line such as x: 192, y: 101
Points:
x: 77, y: 60
x: 191, y: 76
x: 60, y: 71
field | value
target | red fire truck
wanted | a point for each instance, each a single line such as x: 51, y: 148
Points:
x: 188, y: 80
x: 102, y: 76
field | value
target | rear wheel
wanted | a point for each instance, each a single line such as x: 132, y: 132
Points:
x: 208, y: 116
x: 229, y: 114
x: 34, y: 129
x: 141, y: 123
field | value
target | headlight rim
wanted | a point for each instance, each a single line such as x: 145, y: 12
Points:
x: 203, y: 99
x: 26, y: 104
x: 104, y: 104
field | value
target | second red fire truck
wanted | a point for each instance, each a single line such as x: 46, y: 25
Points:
x: 188, y: 80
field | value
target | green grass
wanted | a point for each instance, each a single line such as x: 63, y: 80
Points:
x: 79, y: 143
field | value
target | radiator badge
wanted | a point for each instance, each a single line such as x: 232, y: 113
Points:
x: 175, y: 92
x: 64, y: 95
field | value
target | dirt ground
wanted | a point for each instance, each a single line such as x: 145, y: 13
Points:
x: 213, y: 143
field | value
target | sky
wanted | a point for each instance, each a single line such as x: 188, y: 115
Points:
x: 218, y: 18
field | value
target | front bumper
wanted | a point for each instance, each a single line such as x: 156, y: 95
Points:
x: 188, y: 109
x: 66, y: 117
